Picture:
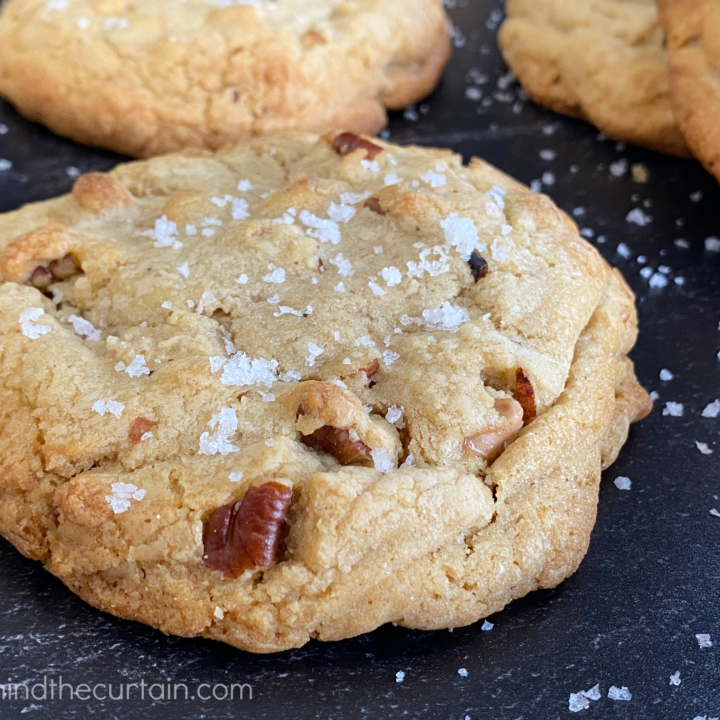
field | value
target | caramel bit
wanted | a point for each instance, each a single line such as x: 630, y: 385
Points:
x: 245, y: 535
x: 525, y: 394
x: 139, y: 427
x: 348, y: 142
x: 490, y: 444
x: 54, y: 516
x: 373, y: 204
x: 57, y: 270
x: 478, y: 265
x: 338, y: 443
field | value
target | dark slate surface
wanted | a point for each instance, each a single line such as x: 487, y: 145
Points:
x: 651, y: 580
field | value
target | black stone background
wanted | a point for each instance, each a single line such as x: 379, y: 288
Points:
x: 651, y: 579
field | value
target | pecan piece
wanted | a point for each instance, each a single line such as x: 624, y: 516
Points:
x: 41, y: 278
x: 525, y: 394
x: 139, y: 427
x: 245, y: 535
x: 373, y: 204
x: 348, y: 142
x: 338, y: 443
x: 490, y: 444
x: 54, y: 516
x: 478, y: 265
x: 57, y: 270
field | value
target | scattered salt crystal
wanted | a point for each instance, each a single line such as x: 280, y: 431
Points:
x: 460, y: 233
x: 383, y: 460
x: 376, y: 288
x: 343, y: 265
x: 216, y: 362
x: 291, y: 376
x: 122, y: 494
x: 146, y: 436
x: 703, y: 448
x: 666, y: 375
x: 646, y: 272
x: 675, y: 678
x: 184, y: 270
x: 340, y: 287
x: 208, y: 232
x: 314, y: 351
x: 390, y: 357
x: 409, y: 460
x: 394, y: 415
x: 370, y: 165
x: 240, y: 209
x: 286, y: 310
x: 578, y: 702
x: 27, y: 321
x: 241, y: 370
x: 391, y: 275
x: 5, y: 165
x: 341, y: 213
x: 615, y: 693
x: 378, y: 250
x: 323, y: 230
x: 190, y: 230
x: 164, y: 234
x: 433, y: 179
x: 399, y: 676
x: 392, y: 180
x: 270, y: 442
x: 619, y: 168
x: 704, y: 640
x: 547, y: 155
x: 445, y: 317
x: 714, y: 512
x: 274, y: 299
x: 136, y: 368
x: 462, y: 672
x: 593, y: 693
x: 235, y: 476
x: 623, y: 483
x: 226, y: 423
x: 674, y: 409
x: 712, y: 244
x: 624, y: 251
x: 354, y: 198
x: 242, y: 280
x: 219, y: 613
x: 712, y: 410
x: 276, y: 275
x: 84, y: 328
x: 487, y: 626
x: 110, y: 406
x: 365, y: 341
x: 639, y: 217
x: 244, y: 185
x: 657, y: 281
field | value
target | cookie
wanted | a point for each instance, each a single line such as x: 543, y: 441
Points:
x: 692, y: 28
x: 145, y: 78
x: 601, y: 60
x: 306, y: 386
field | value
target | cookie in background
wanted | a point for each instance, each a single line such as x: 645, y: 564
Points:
x: 601, y: 60
x: 145, y: 78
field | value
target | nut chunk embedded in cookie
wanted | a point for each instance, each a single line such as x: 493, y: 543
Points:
x: 245, y: 535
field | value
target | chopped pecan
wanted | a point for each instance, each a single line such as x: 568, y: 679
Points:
x: 139, y: 427
x: 525, y: 394
x: 56, y: 270
x: 54, y: 516
x: 373, y: 204
x: 478, y: 265
x: 41, y: 278
x: 348, y: 142
x: 338, y: 443
x: 245, y: 535
x: 313, y: 37
x: 490, y: 444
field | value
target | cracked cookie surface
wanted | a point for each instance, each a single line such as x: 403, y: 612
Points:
x: 265, y: 395
x: 601, y: 60
x: 144, y: 78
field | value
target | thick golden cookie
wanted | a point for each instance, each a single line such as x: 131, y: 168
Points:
x: 144, y: 78
x: 304, y: 387
x: 693, y: 31
x: 601, y: 60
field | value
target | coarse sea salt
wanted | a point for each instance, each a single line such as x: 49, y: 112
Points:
x: 673, y: 409
x: 616, y: 693
x: 623, y: 483
x: 122, y: 494
x: 224, y: 424
x: 241, y: 370
x: 28, y: 319
x: 712, y: 410
x: 108, y: 406
x: 136, y: 368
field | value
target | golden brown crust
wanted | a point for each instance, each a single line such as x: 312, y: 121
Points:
x: 148, y: 78
x: 602, y: 60
x: 692, y: 28
x: 244, y: 302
